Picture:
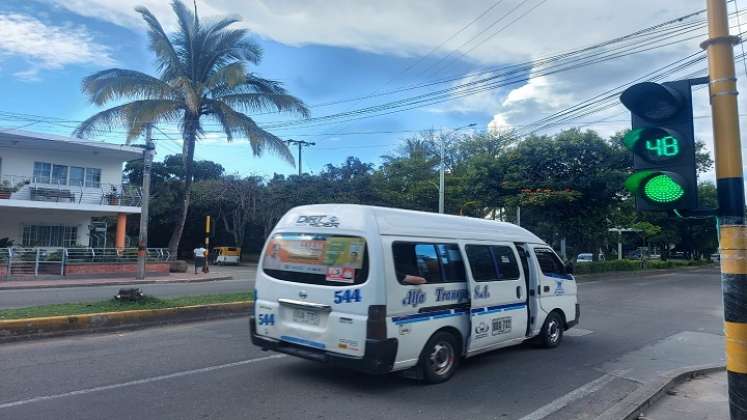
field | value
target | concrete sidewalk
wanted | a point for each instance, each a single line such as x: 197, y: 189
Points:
x: 702, y: 397
x: 187, y: 277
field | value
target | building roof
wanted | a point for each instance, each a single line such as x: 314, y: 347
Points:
x: 50, y: 142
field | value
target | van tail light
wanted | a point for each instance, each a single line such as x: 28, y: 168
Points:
x: 376, y: 323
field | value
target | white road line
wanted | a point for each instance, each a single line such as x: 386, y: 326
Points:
x: 138, y: 382
x: 566, y: 399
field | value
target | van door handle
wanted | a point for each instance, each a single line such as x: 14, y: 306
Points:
x: 518, y: 292
x: 546, y: 289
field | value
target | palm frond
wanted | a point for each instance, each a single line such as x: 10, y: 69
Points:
x: 227, y: 47
x: 248, y: 94
x: 133, y: 116
x: 184, y: 38
x: 254, y: 102
x: 230, y: 75
x: 168, y: 60
x: 113, y: 84
x: 235, y: 123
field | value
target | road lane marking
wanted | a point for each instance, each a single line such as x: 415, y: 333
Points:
x: 138, y: 382
x: 570, y: 397
x: 578, y: 332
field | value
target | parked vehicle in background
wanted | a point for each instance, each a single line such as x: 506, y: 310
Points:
x: 584, y: 258
x: 226, y: 255
x: 716, y: 257
x: 382, y: 290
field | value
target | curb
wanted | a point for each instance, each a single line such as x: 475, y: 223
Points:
x: 634, y: 274
x: 116, y: 283
x: 633, y: 406
x: 32, y: 328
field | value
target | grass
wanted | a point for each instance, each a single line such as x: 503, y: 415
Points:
x: 633, y: 265
x: 113, y: 305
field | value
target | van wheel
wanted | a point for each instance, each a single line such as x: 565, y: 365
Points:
x: 439, y: 358
x: 552, y: 331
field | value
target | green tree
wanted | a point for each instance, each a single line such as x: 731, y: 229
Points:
x: 203, y: 73
x: 567, y: 185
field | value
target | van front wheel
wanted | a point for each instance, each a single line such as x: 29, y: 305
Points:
x: 552, y: 331
x: 439, y: 358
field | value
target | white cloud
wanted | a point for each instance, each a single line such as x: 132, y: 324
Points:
x: 415, y: 26
x: 46, y: 46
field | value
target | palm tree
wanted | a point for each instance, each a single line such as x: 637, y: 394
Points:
x: 202, y: 74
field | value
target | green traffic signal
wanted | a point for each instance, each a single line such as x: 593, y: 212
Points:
x: 663, y: 144
x: 663, y: 189
x: 657, y: 187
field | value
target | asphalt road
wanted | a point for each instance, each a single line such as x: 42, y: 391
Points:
x: 629, y: 328
x: 243, y: 280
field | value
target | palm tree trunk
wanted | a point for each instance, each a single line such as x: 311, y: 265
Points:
x: 188, y: 162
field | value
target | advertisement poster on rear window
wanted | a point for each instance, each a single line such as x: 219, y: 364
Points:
x: 336, y: 258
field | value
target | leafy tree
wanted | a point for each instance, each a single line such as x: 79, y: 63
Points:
x: 203, y: 73
x: 409, y: 178
x: 166, y: 182
x: 567, y: 185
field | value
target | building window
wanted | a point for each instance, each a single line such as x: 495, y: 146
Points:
x: 59, y: 174
x: 42, y: 172
x: 47, y: 173
x: 93, y: 178
x: 50, y: 236
x: 77, y: 176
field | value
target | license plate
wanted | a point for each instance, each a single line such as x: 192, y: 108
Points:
x: 305, y: 317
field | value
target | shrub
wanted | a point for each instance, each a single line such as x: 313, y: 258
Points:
x: 632, y: 265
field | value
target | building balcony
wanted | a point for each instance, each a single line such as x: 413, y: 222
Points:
x: 28, y: 192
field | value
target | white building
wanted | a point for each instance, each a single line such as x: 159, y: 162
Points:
x: 52, y: 186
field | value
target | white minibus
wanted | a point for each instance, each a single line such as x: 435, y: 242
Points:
x: 382, y: 290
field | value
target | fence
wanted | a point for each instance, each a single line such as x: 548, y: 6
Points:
x: 31, y: 189
x: 19, y: 262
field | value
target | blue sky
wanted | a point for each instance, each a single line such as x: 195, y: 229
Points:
x: 332, y: 50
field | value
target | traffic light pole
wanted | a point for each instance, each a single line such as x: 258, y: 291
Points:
x: 730, y: 184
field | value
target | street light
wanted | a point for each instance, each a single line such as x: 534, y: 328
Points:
x: 441, y: 183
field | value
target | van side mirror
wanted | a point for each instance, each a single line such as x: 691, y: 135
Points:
x: 413, y: 280
x: 569, y: 268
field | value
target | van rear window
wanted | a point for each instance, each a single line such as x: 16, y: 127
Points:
x: 316, y: 258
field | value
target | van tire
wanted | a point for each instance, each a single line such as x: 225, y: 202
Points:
x: 552, y: 331
x: 439, y: 358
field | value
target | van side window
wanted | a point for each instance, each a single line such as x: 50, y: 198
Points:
x: 451, y: 261
x: 492, y: 263
x: 505, y: 259
x: 548, y: 261
x: 436, y: 263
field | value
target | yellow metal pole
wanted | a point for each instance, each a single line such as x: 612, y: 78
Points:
x: 207, y: 242
x: 730, y: 184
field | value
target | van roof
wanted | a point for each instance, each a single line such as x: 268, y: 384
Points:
x: 392, y: 221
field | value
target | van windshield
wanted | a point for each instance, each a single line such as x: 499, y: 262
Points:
x: 316, y: 258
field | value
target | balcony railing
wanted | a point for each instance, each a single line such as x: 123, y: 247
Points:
x: 29, y: 188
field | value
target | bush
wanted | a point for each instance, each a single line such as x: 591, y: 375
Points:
x: 632, y: 265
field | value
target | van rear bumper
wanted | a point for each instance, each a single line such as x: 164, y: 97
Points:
x: 378, y: 357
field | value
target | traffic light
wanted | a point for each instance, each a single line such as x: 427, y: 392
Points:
x: 663, y: 145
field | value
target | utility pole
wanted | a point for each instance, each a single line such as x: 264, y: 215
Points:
x: 300, y: 144
x: 730, y: 185
x: 442, y: 169
x: 142, y: 242
x: 441, y: 177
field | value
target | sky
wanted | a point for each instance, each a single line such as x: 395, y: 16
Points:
x: 346, y: 55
